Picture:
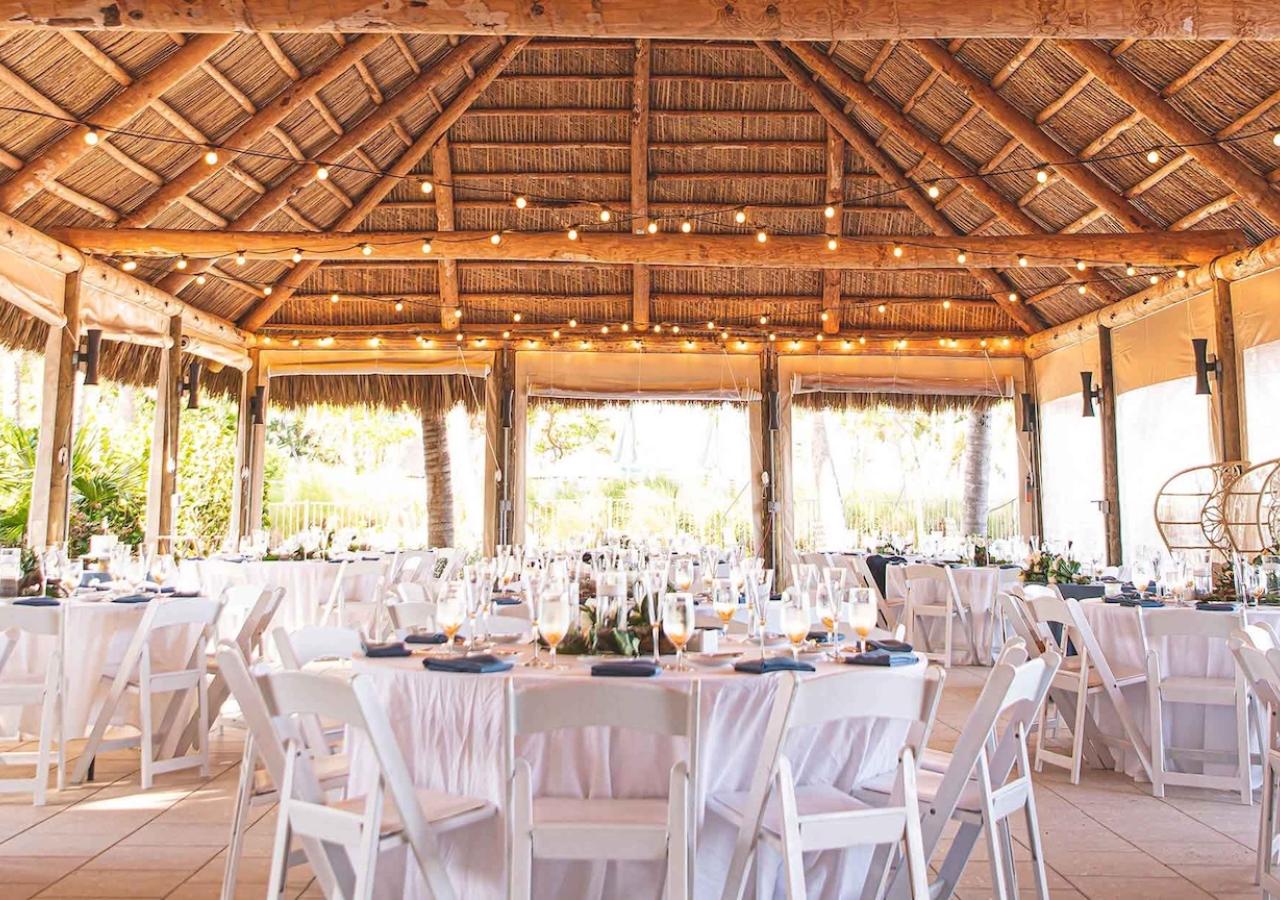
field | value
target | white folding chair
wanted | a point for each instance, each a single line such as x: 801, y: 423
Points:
x: 1087, y: 675
x: 1186, y: 625
x: 796, y: 819
x: 892, y: 609
x: 334, y: 610
x: 1257, y: 657
x: 414, y: 567
x: 38, y: 623
x: 987, y: 778
x: 315, y: 643
x: 197, y: 617
x: 262, y: 761
x: 392, y: 816
x: 602, y: 828
x: 924, y: 583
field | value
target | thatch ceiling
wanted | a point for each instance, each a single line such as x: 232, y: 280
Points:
x: 726, y: 129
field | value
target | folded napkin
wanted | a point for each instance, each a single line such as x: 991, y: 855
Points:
x: 506, y: 600
x: 152, y: 587
x: 759, y: 666
x: 891, y: 646
x: 1216, y: 606
x: 882, y: 658
x: 132, y: 598
x: 427, y: 638
x: 88, y: 578
x: 184, y: 594
x: 626, y: 668
x: 1144, y: 602
x: 391, y: 648
x: 37, y: 601
x: 821, y: 636
x: 480, y: 664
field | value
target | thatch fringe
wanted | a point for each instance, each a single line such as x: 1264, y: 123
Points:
x: 435, y: 394
x: 841, y: 400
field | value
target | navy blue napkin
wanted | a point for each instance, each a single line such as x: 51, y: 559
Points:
x: 185, y: 594
x: 1144, y: 602
x: 1082, y: 591
x: 881, y: 658
x: 474, y: 665
x: 891, y: 646
x: 427, y: 638
x: 823, y: 637
x: 626, y: 668
x: 759, y: 666
x: 1215, y: 606
x: 132, y: 598
x: 389, y: 649
x: 506, y: 601
x: 37, y: 601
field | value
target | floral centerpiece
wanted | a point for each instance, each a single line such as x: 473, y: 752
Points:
x: 1043, y: 567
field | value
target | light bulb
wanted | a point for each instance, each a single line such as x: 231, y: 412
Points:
x: 832, y: 243
x: 605, y: 215
x: 373, y: 341
x: 829, y: 212
x: 367, y: 249
x: 604, y: 329
x: 1153, y: 156
x: 399, y: 306
x: 882, y: 308
x: 818, y: 337
x: 458, y: 337
x: 297, y: 256
x: 652, y: 227
x: 1182, y: 273
x: 824, y: 316
x: 1080, y: 266
x: 897, y: 250
x: 846, y: 345
x: 91, y: 137
x: 181, y: 263
x: 946, y: 304
x: 326, y: 342
x: 1022, y: 261
x: 740, y: 216
x: 724, y: 335
x: 657, y: 329
x: 711, y: 326
x: 686, y: 226
x: 322, y: 173
x: 295, y: 342
x: 555, y: 333
x: 129, y: 265
x: 573, y: 323
x: 427, y: 187
x: 1275, y: 139
x: 637, y: 344
x: 1013, y: 296
x: 1130, y: 269
x: 1042, y: 176
x: 495, y: 239
x: 762, y: 236
x: 933, y: 192
x: 962, y: 257
x: 516, y: 317
x: 764, y: 320
x: 1154, y: 279
x: 795, y: 345
x: 200, y: 279
x: 521, y: 202
x: 625, y: 326
x: 1082, y: 290
x: 772, y: 336
x: 675, y: 329
x: 457, y: 312
x: 861, y: 340
x: 266, y: 291
x: 573, y: 234
x: 211, y: 157
x: 240, y: 258
x: 333, y: 298
x: 426, y: 246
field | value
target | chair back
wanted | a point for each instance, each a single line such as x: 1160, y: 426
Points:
x: 1017, y: 616
x: 1257, y: 668
x: 603, y: 702
x: 1214, y: 626
x: 408, y: 616
x: 261, y: 605
x: 315, y: 642
x: 41, y: 621
x: 415, y: 567
x: 873, y: 695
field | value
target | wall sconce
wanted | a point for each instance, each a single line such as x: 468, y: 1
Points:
x: 1090, y: 394
x: 1028, y: 414
x: 258, y: 404
x: 89, y: 355
x: 191, y: 385
x: 1206, y: 365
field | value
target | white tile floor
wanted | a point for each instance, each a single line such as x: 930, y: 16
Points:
x: 1107, y: 838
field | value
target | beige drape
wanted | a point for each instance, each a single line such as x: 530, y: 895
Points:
x: 375, y: 361
x: 1058, y: 373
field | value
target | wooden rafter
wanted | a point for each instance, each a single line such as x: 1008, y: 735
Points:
x: 640, y: 79
x: 348, y: 144
x: 447, y: 273
x: 1003, y: 292
x: 437, y: 129
x: 834, y: 196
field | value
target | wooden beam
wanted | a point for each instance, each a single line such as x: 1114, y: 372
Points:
x: 835, y: 198
x: 342, y: 147
x: 1110, y: 450
x: 1232, y: 171
x: 640, y: 76
x: 1046, y: 148
x: 163, y: 463
x: 447, y: 274
x: 862, y: 144
x: 251, y: 131
x: 814, y: 20
x: 1188, y: 248
x: 435, y: 131
x: 115, y: 113
x: 51, y: 487
x: 1227, y: 391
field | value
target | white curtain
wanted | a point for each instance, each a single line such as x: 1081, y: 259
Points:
x: 1261, y: 388
x: 1071, y: 477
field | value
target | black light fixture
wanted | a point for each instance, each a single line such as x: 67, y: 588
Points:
x: 1090, y: 394
x: 89, y: 355
x: 258, y: 404
x: 191, y: 385
x: 1206, y: 365
x: 1028, y: 414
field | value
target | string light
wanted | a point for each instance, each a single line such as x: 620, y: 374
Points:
x: 764, y: 320
x: 1042, y: 176
x: 297, y: 256
x: 897, y: 250
x: 516, y: 317
x: 367, y: 249
x: 982, y: 343
x: 399, y: 306
x: 573, y: 234
x: 690, y: 345
x: 585, y: 345
x: 625, y: 326
x: 458, y: 337
x: 1275, y: 139
x: 373, y: 341
x: 711, y: 326
x: 521, y: 201
x: 1082, y: 290
x: 824, y: 316
x: 1022, y: 261
x: 333, y: 298
x: 686, y: 226
x: 882, y: 309
x: 605, y: 215
x: 495, y: 239
x: 847, y: 345
x: 818, y: 337
x: 861, y: 339
x: 724, y: 335
x: 740, y: 216
x: 1154, y: 279
x: 181, y: 264
x: 675, y: 329
x: 604, y: 329
x: 657, y: 329
x: 1129, y: 269
x: 1080, y: 265
x: 531, y: 342
x: 200, y: 280
x: 962, y: 257
x: 946, y: 304
x: 427, y: 187
x: 241, y: 259
x: 762, y: 235
x: 1182, y: 273
x: 91, y: 137
x: 266, y: 291
x: 573, y: 323
x: 322, y: 173
x: 211, y: 157
x: 426, y: 246
x: 1013, y: 296
x: 295, y: 342
x: 637, y: 344
x: 1153, y: 155
x: 555, y: 334
x: 829, y: 212
x: 772, y: 337
x: 129, y: 265
x: 652, y: 227
x: 326, y: 342
x: 832, y: 243
x: 795, y: 345
x: 933, y: 192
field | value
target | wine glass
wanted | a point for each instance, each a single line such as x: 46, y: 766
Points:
x: 451, y: 612
x: 724, y: 600
x: 862, y: 614
x: 683, y: 575
x: 678, y: 621
x: 795, y: 619
x: 653, y: 590
x: 553, y: 622
x: 829, y: 614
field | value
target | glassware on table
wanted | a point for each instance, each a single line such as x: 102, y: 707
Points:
x: 553, y: 622
x: 653, y: 607
x: 724, y: 601
x: 828, y: 609
x: 451, y: 612
x: 678, y: 622
x: 795, y: 619
x: 682, y: 577
x: 862, y: 614
x: 10, y: 571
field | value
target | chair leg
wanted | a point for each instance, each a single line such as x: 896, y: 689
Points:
x: 1036, y: 845
x: 1266, y: 820
x: 239, y: 816
x: 62, y: 740
x: 1157, y: 743
x: 1042, y: 722
x: 147, y: 747
x: 202, y: 735
x: 1077, y: 735
x: 41, y: 782
x: 947, y: 633
x: 1244, y: 764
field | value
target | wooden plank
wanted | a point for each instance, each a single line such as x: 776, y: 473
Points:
x: 162, y: 476
x: 447, y: 276
x: 831, y: 311
x: 51, y: 488
x: 640, y: 280
x: 1227, y: 392
x: 1110, y: 451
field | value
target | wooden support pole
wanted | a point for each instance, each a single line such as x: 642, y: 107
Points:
x: 500, y: 441
x: 51, y: 490
x: 766, y: 489
x: 250, y: 442
x: 831, y: 312
x: 1228, y: 392
x: 1110, y: 451
x: 163, y: 464
x: 447, y: 270
x: 1029, y: 427
x: 640, y: 280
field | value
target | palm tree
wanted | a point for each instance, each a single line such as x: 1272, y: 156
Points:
x: 976, y: 470
x: 435, y: 460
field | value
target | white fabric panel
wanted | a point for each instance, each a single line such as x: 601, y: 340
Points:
x: 1255, y: 303
x: 964, y: 370
x: 1071, y: 476
x: 1261, y: 388
x: 33, y: 288
x: 810, y: 383
x: 123, y: 319
x: 638, y: 376
x: 1157, y: 348
x: 346, y: 361
x: 227, y: 355
x: 1058, y: 373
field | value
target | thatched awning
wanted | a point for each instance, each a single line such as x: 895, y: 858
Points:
x: 432, y: 394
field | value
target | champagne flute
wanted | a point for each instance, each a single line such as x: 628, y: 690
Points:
x: 683, y: 577
x: 862, y: 614
x: 724, y: 600
x: 795, y: 620
x: 678, y: 620
x: 653, y: 589
x: 451, y: 612
x: 829, y: 614
x: 554, y: 623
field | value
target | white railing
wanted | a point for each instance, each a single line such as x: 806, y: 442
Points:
x: 290, y: 517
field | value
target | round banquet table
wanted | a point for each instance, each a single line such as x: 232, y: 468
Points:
x: 450, y: 729
x: 1186, y: 725
x: 307, y: 583
x: 977, y: 586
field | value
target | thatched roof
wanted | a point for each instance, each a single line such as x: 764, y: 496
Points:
x: 726, y: 130
x: 430, y: 394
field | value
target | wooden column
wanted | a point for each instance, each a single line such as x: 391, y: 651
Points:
x: 640, y: 277
x: 1031, y: 509
x: 499, y: 427
x: 246, y: 498
x: 1110, y: 454
x: 447, y: 271
x: 164, y: 444
x: 51, y: 488
x: 1228, y: 393
x: 770, y: 508
x: 834, y: 197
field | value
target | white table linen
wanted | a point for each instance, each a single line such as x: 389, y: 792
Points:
x: 450, y: 728
x: 1189, y: 726
x: 307, y: 583
x: 977, y: 586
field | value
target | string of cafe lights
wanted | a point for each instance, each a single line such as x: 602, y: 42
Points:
x: 607, y: 216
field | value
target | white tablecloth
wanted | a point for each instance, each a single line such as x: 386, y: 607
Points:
x: 1186, y: 725
x: 450, y: 728
x: 977, y: 585
x: 307, y: 583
